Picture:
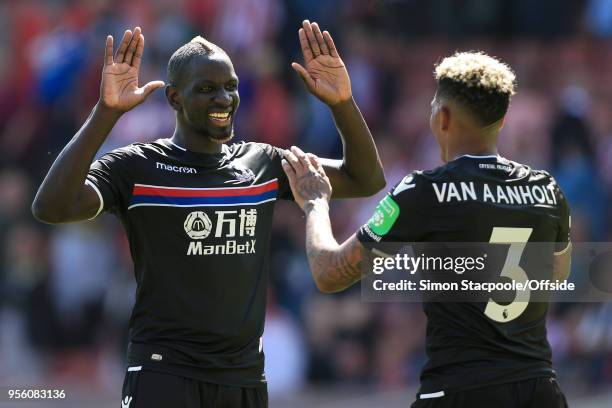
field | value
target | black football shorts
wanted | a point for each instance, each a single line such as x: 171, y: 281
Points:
x: 532, y: 393
x: 151, y: 389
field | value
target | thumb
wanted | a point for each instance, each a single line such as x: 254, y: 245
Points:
x: 310, y: 83
x: 150, y: 87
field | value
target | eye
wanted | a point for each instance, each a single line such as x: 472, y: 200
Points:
x: 206, y: 88
x: 231, y: 87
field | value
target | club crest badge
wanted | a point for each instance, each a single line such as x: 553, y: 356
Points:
x: 241, y: 173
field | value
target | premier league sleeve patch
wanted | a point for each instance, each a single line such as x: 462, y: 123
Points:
x: 385, y: 215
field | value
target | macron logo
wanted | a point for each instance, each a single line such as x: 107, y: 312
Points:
x: 176, y: 169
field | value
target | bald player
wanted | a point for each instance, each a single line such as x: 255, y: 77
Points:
x: 198, y: 213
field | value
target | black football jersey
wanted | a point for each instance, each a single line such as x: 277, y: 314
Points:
x: 199, y: 230
x: 477, y: 199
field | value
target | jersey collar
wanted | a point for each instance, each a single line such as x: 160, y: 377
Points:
x: 189, y: 156
x: 175, y: 145
x: 224, y: 149
x: 473, y: 156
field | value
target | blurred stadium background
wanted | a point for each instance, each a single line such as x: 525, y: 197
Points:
x: 66, y: 291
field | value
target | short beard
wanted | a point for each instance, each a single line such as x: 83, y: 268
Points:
x: 224, y: 140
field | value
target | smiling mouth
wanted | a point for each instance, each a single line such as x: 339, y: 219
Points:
x: 220, y: 118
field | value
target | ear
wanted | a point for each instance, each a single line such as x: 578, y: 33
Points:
x: 503, y: 122
x: 173, y: 98
x: 445, y: 117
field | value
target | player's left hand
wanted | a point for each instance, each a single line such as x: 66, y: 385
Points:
x: 325, y: 75
x: 306, y: 176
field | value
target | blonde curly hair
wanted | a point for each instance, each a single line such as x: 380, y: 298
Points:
x: 482, y: 83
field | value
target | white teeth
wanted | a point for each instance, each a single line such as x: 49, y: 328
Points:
x: 219, y: 115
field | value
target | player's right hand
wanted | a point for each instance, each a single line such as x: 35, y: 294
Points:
x: 306, y: 177
x: 119, y: 89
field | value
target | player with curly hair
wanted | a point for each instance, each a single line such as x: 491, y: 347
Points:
x: 480, y: 353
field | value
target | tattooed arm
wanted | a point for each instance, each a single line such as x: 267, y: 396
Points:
x: 334, y: 266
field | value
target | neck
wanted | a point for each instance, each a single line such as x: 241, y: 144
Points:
x: 485, y: 151
x: 476, y: 142
x: 473, y: 146
x: 195, y: 142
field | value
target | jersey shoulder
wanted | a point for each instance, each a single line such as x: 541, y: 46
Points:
x: 416, y: 185
x: 540, y: 177
x: 273, y: 152
x: 253, y: 148
x: 410, y: 185
x: 409, y: 194
x: 534, y: 175
x: 139, y: 150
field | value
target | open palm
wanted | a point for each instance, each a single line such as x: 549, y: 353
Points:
x: 325, y: 75
x: 119, y: 89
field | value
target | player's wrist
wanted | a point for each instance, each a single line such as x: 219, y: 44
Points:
x: 316, y: 204
x: 107, y: 111
x: 342, y: 104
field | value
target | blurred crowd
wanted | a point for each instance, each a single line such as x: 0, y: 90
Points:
x: 66, y: 291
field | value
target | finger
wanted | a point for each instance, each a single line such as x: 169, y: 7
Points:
x: 306, y: 51
x: 319, y: 36
x: 150, y: 87
x: 131, y: 50
x: 304, y: 161
x: 294, y: 162
x: 289, y: 171
x: 285, y: 153
x: 308, y: 80
x: 108, y: 50
x: 127, y: 36
x: 137, y: 59
x: 330, y: 44
x: 316, y: 163
x: 314, y: 46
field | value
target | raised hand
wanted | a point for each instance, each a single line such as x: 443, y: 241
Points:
x: 119, y: 88
x: 306, y: 176
x: 325, y: 75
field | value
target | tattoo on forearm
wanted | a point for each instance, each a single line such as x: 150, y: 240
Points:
x: 334, y: 267
x: 345, y: 266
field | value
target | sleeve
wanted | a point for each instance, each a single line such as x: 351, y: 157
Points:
x: 565, y: 223
x: 275, y: 154
x: 398, y: 217
x: 110, y: 178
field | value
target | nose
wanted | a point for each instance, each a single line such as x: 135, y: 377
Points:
x: 223, y: 98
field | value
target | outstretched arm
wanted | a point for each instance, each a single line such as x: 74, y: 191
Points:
x: 360, y: 172
x: 334, y: 266
x: 63, y: 195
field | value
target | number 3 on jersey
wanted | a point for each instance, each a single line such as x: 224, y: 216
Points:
x: 517, y: 238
